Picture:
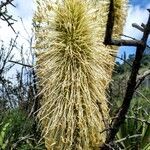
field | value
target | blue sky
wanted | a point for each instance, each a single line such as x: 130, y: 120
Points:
x: 142, y: 3
x: 25, y: 8
x: 137, y: 13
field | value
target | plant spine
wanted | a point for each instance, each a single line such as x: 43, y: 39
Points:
x: 74, y: 70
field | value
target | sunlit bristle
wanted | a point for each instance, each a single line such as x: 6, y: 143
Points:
x: 74, y: 70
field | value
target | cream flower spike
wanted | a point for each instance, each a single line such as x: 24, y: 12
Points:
x: 74, y: 69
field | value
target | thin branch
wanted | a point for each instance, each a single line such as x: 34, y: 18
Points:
x: 138, y: 27
x: 133, y: 39
x: 12, y: 44
x: 141, y: 78
x: 128, y: 37
x: 147, y: 46
x: 110, y: 24
x: 4, y: 4
x: 126, y: 42
x: 35, y: 106
x: 143, y: 25
x: 30, y: 66
x: 128, y: 137
x: 109, y: 31
x: 131, y: 86
x: 148, y: 100
x: 138, y: 119
x: 9, y: 24
x: 4, y: 16
x: 122, y: 59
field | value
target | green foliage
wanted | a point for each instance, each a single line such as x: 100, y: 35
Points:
x: 121, y: 68
x: 146, y: 61
x: 135, y: 132
x: 17, y: 132
x: 3, y: 143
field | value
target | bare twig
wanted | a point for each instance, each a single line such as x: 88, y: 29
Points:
x: 138, y: 119
x: 126, y: 43
x: 148, y: 100
x: 132, y: 39
x: 4, y: 4
x: 131, y: 86
x: 109, y: 31
x: 9, y: 23
x: 4, y: 16
x: 128, y: 36
x: 30, y: 66
x: 110, y: 24
x: 138, y: 27
x: 128, y: 137
x: 141, y: 78
x: 5, y: 60
x: 122, y: 59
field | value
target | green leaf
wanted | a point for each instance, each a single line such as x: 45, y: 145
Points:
x: 2, y: 135
x: 147, y: 147
x: 146, y: 135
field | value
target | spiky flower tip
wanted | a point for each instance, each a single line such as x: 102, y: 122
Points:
x: 74, y: 69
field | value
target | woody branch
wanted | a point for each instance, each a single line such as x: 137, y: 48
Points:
x: 132, y: 82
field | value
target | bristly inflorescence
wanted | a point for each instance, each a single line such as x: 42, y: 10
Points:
x: 74, y: 69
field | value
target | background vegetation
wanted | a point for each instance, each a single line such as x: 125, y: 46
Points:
x: 17, y: 119
x: 18, y: 103
x: 135, y: 132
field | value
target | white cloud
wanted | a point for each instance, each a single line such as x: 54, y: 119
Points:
x: 136, y: 14
x: 24, y: 9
